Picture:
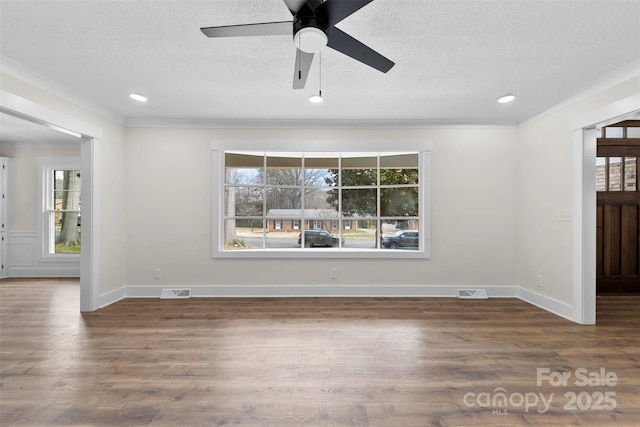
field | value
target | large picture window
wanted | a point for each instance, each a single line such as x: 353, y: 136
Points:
x: 322, y: 204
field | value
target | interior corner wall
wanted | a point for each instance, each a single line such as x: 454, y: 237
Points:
x: 545, y: 186
x: 169, y: 178
x: 113, y: 213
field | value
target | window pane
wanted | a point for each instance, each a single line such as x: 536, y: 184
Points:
x: 284, y: 170
x: 359, y: 202
x: 399, y: 169
x: 284, y: 200
x: 359, y: 171
x: 601, y: 174
x: 400, y: 234
x: 320, y: 198
x: 243, y: 168
x: 402, y: 201
x: 243, y: 201
x: 360, y: 234
x: 67, y: 233
x: 630, y: 174
x: 243, y: 234
x: 320, y: 171
x: 613, y: 132
x: 282, y: 233
x: 66, y: 190
x: 633, y: 132
x: 615, y: 164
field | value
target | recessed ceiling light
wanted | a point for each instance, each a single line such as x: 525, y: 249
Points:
x: 316, y: 99
x: 138, y: 97
x: 506, y: 98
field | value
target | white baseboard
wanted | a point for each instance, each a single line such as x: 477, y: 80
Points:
x: 345, y: 291
x: 43, y: 272
x: 112, y: 297
x: 259, y: 291
x: 549, y: 304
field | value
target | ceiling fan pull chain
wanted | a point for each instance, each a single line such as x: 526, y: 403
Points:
x: 320, y: 71
x: 298, y: 55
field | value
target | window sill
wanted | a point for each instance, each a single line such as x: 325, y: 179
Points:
x: 321, y: 253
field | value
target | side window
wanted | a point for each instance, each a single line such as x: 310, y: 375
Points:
x: 61, y: 213
x: 617, y: 161
x: 616, y: 173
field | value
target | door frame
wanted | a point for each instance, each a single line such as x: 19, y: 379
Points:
x: 90, y: 140
x: 584, y: 131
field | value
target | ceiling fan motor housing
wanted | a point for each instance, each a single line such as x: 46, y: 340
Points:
x: 310, y: 34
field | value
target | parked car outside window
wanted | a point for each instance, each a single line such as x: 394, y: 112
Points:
x: 401, y: 239
x: 319, y: 238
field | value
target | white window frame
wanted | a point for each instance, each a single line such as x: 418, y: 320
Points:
x: 295, y: 224
x: 45, y: 184
x: 218, y: 149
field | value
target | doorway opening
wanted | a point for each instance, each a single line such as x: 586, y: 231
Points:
x: 618, y: 209
x: 89, y: 138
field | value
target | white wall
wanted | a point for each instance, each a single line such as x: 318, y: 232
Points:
x: 169, y: 203
x: 545, y: 175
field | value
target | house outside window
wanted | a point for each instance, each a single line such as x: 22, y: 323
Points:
x: 358, y: 197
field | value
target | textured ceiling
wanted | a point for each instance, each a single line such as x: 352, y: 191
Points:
x: 453, y: 58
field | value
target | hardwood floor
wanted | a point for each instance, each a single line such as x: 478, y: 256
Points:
x: 310, y: 362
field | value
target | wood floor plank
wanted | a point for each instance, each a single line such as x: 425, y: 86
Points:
x: 307, y: 361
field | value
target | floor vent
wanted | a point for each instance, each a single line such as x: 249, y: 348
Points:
x: 175, y: 293
x: 472, y: 294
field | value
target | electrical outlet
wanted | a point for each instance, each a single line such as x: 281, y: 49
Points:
x: 565, y: 215
x: 539, y: 281
x: 334, y: 273
x: 157, y: 273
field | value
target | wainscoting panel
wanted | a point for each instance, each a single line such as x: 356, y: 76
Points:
x: 24, y: 259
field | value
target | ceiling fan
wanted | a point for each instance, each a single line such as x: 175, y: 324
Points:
x: 312, y: 28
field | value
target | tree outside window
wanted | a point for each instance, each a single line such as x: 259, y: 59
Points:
x: 64, y: 213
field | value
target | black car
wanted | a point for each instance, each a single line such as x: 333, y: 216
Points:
x: 316, y: 238
x: 401, y: 239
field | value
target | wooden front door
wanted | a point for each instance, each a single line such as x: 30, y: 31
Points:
x: 618, y: 210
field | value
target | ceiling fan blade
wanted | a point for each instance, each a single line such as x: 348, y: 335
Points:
x: 294, y: 5
x: 344, y: 43
x: 336, y: 10
x: 303, y: 65
x: 264, y: 29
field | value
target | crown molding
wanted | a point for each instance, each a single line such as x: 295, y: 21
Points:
x: 217, y: 123
x: 36, y: 79
x: 621, y: 75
